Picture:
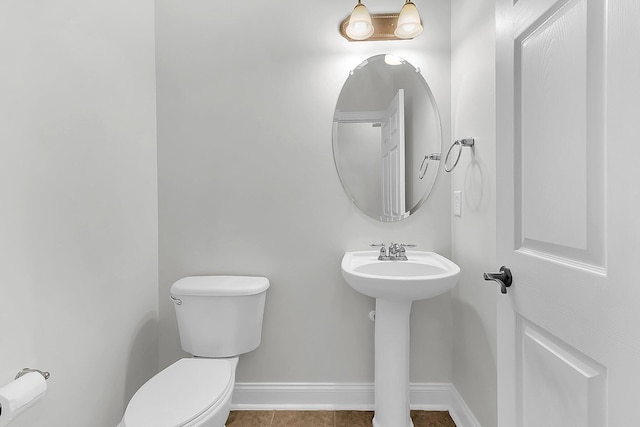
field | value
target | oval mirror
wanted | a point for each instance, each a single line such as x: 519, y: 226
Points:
x: 387, y: 138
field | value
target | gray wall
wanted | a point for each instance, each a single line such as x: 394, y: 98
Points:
x: 247, y: 183
x: 78, y: 216
x: 474, y: 233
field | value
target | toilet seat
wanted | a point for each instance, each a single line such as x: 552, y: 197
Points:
x: 180, y: 394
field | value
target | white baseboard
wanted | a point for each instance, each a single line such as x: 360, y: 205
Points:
x: 460, y: 412
x: 347, y: 396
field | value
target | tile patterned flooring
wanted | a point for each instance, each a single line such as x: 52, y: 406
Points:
x: 328, y: 419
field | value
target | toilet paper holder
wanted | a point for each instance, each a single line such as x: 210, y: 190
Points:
x: 25, y: 371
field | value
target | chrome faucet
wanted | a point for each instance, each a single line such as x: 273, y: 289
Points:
x: 396, y: 251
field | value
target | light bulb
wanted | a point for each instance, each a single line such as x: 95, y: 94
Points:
x: 408, y: 28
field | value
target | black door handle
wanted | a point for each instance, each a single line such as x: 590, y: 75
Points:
x: 503, y: 278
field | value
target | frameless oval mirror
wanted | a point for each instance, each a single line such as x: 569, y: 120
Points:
x: 387, y: 138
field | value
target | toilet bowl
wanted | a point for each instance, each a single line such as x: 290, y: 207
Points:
x: 219, y: 318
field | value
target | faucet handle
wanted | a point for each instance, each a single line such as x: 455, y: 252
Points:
x: 402, y: 254
x: 383, y: 250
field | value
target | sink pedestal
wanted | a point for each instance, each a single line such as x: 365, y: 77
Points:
x: 392, y: 363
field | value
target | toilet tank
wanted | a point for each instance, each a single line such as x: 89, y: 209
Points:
x: 219, y: 316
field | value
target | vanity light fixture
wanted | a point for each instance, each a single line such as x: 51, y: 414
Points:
x: 361, y: 26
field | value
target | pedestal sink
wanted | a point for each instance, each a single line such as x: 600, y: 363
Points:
x: 395, y: 285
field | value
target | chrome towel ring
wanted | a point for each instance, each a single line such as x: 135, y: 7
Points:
x: 466, y: 142
x: 427, y: 159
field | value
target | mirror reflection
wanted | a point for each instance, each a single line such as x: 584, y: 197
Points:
x: 387, y: 138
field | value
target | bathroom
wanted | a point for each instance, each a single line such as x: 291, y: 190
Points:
x: 147, y: 141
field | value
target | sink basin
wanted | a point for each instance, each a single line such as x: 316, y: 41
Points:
x: 424, y: 275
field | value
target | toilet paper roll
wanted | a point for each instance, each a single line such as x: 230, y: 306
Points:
x: 19, y: 395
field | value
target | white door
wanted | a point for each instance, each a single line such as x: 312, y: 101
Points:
x: 568, y: 203
x: 393, y: 182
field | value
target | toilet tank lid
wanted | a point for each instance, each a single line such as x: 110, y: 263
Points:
x: 219, y: 286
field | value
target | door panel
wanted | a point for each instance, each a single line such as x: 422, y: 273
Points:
x: 574, y: 385
x: 552, y: 90
x: 559, y: 134
x: 393, y: 160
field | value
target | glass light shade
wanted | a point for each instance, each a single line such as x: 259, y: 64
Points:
x: 409, y: 24
x: 360, y: 27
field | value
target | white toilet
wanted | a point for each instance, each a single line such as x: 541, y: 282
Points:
x: 219, y: 318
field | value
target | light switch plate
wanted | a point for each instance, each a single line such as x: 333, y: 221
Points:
x: 457, y: 203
